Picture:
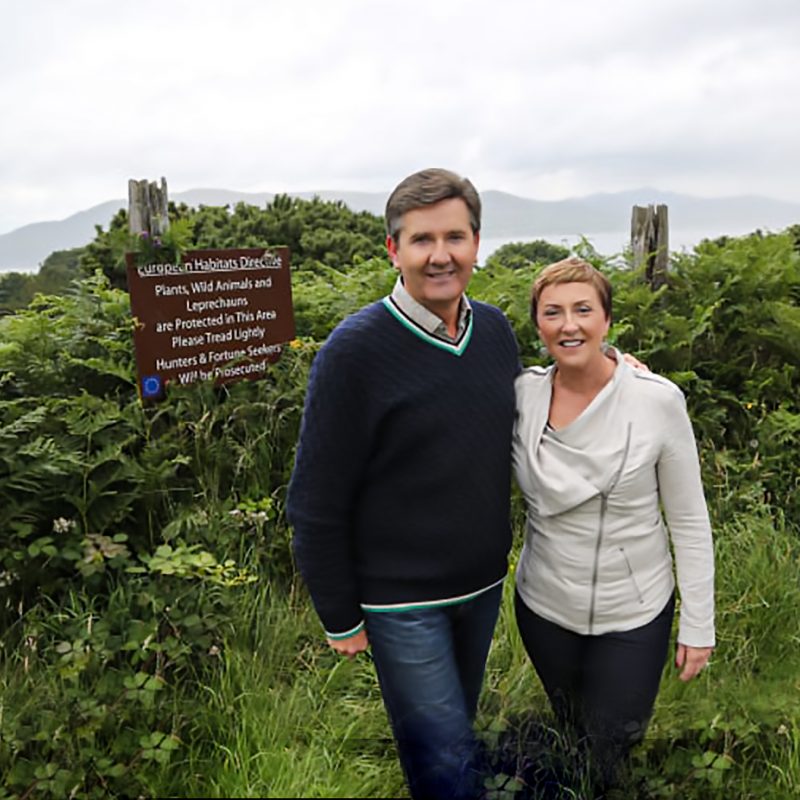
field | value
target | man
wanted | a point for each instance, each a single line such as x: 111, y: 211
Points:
x: 400, y: 493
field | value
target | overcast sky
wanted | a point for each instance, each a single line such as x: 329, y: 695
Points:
x: 541, y: 98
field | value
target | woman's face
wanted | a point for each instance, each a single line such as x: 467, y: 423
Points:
x: 571, y: 322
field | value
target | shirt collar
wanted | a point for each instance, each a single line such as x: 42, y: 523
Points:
x: 427, y: 320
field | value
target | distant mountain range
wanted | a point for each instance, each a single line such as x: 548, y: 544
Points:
x: 504, y: 216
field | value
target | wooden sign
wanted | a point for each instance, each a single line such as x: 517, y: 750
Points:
x: 219, y: 314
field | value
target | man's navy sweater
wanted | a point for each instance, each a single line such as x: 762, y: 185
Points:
x: 400, y: 491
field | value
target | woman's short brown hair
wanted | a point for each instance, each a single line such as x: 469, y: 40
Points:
x: 571, y: 270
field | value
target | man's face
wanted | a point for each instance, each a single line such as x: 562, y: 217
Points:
x: 435, y: 252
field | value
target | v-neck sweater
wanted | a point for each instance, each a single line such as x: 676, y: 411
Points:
x: 400, y: 490
x: 597, y: 556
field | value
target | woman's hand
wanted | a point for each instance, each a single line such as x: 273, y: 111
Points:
x: 691, y: 660
x: 352, y: 645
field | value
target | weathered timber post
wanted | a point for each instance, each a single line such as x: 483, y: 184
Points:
x: 147, y: 207
x: 650, y: 242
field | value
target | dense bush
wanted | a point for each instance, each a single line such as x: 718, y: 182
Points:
x: 124, y: 534
x: 725, y: 328
x: 520, y: 255
x: 55, y: 276
x: 320, y: 235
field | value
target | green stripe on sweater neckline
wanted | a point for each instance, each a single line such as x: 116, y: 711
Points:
x: 454, y: 348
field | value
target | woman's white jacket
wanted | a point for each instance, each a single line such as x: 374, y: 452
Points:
x: 597, y: 553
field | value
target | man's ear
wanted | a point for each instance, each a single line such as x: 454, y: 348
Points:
x: 391, y: 247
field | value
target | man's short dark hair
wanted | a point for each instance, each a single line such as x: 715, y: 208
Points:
x: 425, y: 188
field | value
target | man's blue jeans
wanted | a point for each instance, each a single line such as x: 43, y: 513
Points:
x: 430, y: 665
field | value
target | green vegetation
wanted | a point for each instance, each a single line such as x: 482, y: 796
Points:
x: 55, y: 276
x: 155, y: 638
x: 319, y: 234
x: 519, y: 255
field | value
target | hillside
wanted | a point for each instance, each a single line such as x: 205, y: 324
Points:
x: 504, y: 215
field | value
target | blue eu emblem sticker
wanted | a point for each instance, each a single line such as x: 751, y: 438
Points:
x: 151, y: 386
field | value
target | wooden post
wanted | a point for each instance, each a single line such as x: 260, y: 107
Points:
x: 147, y: 207
x: 650, y: 242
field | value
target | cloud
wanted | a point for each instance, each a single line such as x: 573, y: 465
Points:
x: 533, y: 97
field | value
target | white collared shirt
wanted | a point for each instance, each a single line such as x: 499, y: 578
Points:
x: 426, y: 319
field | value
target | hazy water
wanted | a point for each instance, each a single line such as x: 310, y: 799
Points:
x: 609, y: 243
x: 606, y: 243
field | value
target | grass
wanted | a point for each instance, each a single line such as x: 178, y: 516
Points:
x: 284, y: 717
x: 277, y: 714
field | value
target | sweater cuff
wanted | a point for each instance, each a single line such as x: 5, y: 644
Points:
x: 345, y: 634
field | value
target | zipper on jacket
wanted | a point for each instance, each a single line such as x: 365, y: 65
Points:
x: 603, y: 505
x: 600, y: 529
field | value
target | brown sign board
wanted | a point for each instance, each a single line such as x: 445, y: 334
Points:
x: 219, y: 314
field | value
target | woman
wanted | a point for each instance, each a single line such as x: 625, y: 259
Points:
x: 599, y: 447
